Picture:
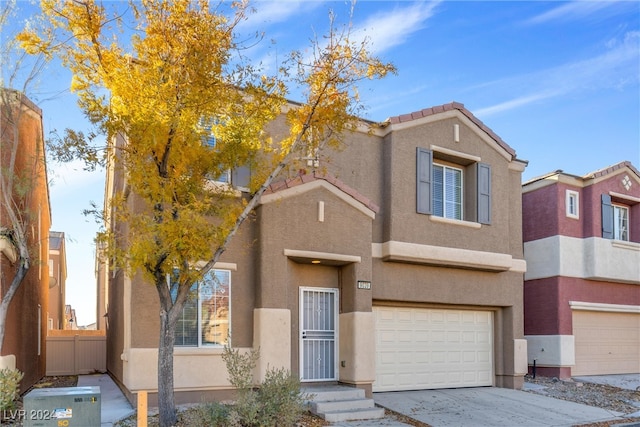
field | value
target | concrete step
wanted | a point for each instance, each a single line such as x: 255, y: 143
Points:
x: 337, y: 403
x: 341, y: 405
x: 357, y: 414
x: 333, y: 393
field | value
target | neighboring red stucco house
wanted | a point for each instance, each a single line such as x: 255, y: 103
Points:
x: 582, y: 285
x: 57, y: 280
x: 396, y: 265
x: 24, y: 341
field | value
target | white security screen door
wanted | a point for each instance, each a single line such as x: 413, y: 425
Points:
x: 318, y: 340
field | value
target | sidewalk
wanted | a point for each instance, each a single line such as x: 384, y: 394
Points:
x: 114, y: 405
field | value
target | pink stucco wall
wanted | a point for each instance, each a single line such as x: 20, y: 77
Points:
x: 546, y: 307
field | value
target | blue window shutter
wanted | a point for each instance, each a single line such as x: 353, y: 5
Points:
x: 423, y: 180
x: 607, y: 217
x: 484, y: 193
x: 241, y: 176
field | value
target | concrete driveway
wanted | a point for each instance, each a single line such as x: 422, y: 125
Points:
x: 489, y: 406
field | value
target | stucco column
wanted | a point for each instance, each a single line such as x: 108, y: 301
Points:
x: 357, y: 349
x: 513, y: 349
x: 272, y: 335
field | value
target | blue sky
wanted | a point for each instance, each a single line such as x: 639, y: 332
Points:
x: 558, y: 81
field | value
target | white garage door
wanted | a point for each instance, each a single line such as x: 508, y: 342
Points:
x: 606, y: 343
x: 419, y: 348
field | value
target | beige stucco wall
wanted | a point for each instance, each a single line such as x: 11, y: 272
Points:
x: 405, y: 225
x: 194, y: 369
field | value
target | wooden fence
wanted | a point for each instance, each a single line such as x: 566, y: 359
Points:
x: 76, y: 352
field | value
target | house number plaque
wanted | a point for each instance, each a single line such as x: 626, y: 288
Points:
x: 364, y: 284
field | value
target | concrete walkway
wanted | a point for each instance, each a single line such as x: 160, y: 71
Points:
x: 114, y: 405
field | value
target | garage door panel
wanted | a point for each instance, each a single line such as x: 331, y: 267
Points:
x: 606, y: 343
x: 448, y: 348
x: 438, y: 336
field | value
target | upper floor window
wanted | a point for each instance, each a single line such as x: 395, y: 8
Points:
x: 620, y: 222
x: 572, y: 205
x: 205, y: 318
x: 456, y: 186
x: 447, y: 191
x: 615, y: 219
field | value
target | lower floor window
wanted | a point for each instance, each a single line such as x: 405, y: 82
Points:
x: 205, y: 318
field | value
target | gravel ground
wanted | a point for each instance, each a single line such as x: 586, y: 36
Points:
x: 599, y: 395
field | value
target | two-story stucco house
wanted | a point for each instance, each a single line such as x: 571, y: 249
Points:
x: 398, y: 267
x: 582, y: 286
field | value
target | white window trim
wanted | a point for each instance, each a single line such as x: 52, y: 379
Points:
x: 461, y: 222
x: 444, y: 195
x: 616, y: 230
x: 576, y: 196
x: 232, y: 267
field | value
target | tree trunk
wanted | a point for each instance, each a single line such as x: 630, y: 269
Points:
x: 166, y: 401
x: 21, y: 272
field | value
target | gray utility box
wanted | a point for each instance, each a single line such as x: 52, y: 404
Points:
x: 62, y: 407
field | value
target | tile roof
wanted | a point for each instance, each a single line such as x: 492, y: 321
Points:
x: 450, y: 107
x: 591, y: 175
x: 304, y: 178
x: 609, y: 169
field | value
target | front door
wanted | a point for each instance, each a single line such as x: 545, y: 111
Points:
x: 318, y: 340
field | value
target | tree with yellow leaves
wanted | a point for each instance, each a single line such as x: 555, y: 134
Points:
x: 164, y: 91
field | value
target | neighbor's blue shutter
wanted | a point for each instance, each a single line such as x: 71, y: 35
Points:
x: 423, y: 181
x: 241, y: 176
x: 484, y: 193
x: 607, y: 217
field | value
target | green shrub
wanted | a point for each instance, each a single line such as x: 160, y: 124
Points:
x: 240, y: 367
x: 212, y: 414
x: 9, y: 382
x: 278, y: 400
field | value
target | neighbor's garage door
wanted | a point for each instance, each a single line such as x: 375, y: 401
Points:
x: 418, y: 348
x: 606, y: 343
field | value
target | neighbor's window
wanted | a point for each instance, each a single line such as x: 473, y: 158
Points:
x: 572, y: 204
x: 447, y: 191
x: 205, y: 318
x: 210, y: 141
x: 620, y: 222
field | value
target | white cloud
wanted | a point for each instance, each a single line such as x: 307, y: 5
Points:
x: 513, y: 103
x: 573, y: 11
x: 270, y: 12
x: 386, y: 30
x: 613, y: 70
